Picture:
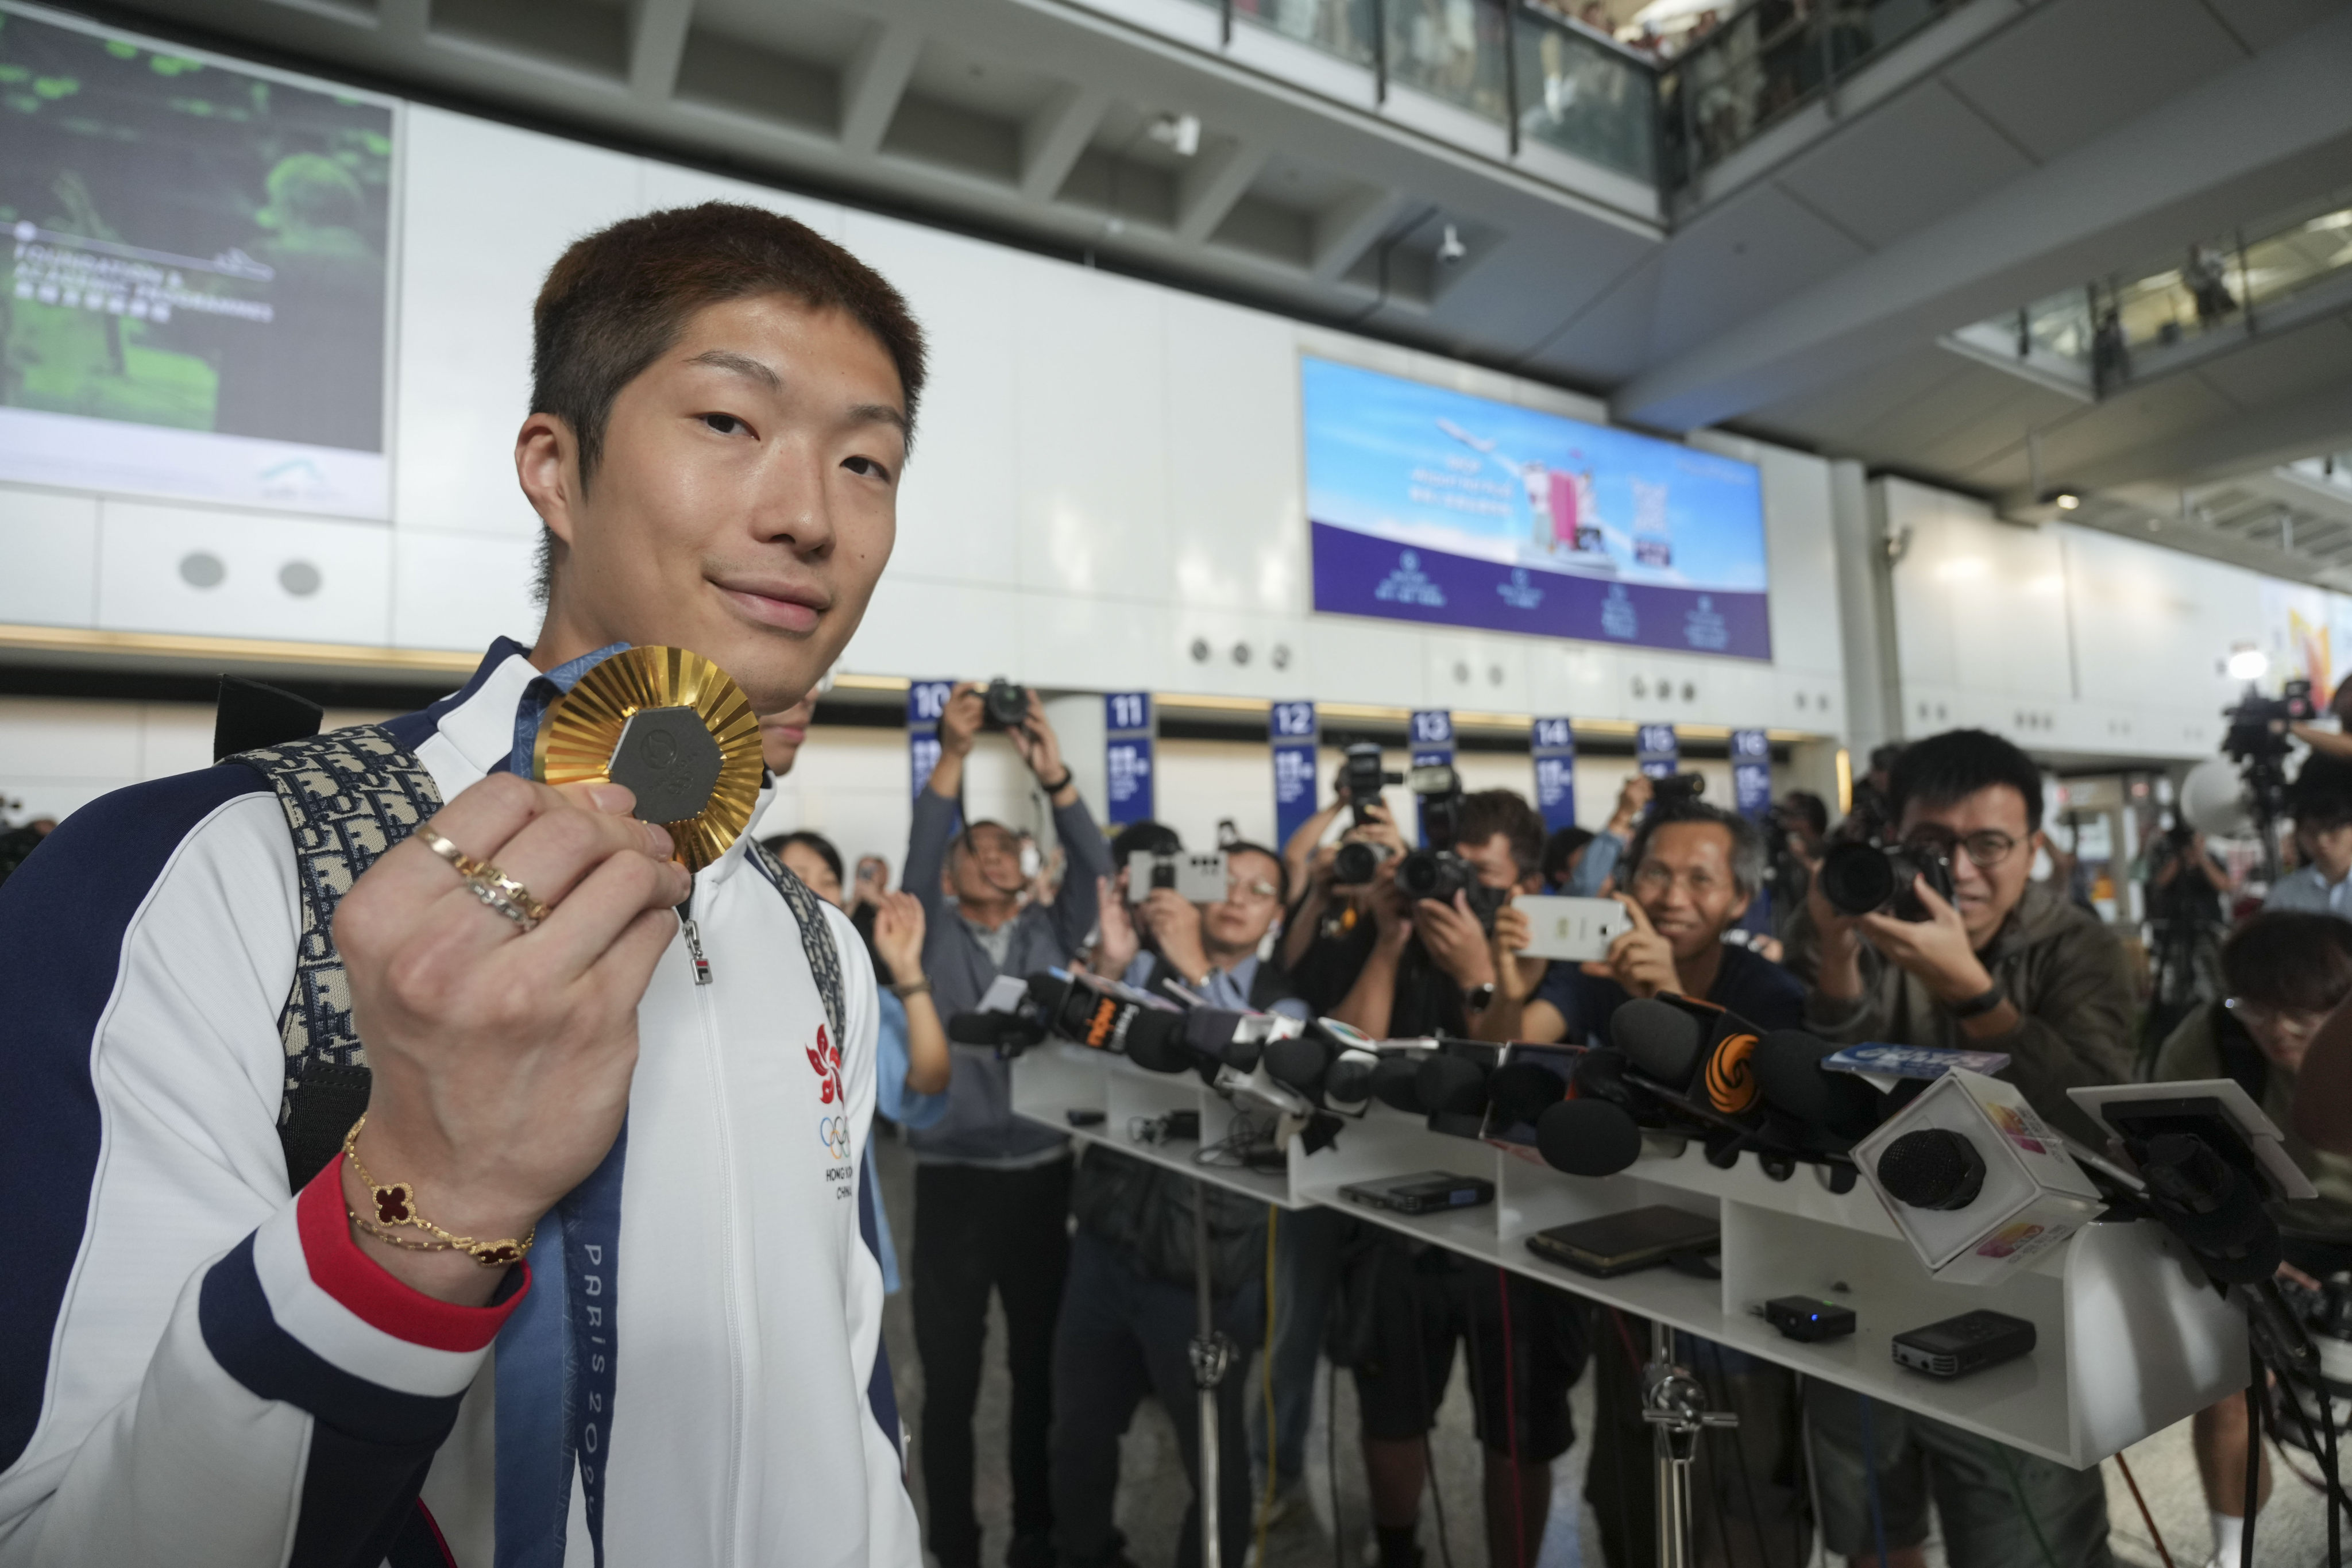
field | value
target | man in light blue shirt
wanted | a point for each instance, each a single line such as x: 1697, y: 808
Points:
x: 1593, y: 867
x: 1212, y: 949
x: 2323, y: 883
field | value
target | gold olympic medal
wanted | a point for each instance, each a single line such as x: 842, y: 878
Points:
x: 672, y: 726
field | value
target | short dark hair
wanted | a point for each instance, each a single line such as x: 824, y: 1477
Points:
x: 1747, y: 841
x: 1561, y: 848
x: 1281, y: 868
x: 2289, y: 959
x: 1946, y: 768
x: 1145, y: 837
x: 617, y: 300
x: 1487, y: 812
x: 2320, y: 797
x: 816, y: 844
x: 1811, y: 808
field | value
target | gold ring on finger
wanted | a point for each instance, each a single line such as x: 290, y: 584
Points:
x: 465, y: 865
x: 514, y: 890
x: 493, y: 897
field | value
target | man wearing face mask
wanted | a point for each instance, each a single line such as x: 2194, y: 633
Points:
x: 991, y: 1190
x: 2007, y: 965
x: 2283, y: 974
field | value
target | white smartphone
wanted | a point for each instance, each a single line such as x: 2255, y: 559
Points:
x: 1578, y: 930
x: 1198, y: 875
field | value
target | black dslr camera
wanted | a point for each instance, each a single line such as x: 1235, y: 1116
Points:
x: 1004, y: 705
x: 1861, y: 878
x: 1361, y: 775
x: 1677, y: 789
x: 1439, y: 871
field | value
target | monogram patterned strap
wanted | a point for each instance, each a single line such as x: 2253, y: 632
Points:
x: 348, y: 796
x: 816, y: 934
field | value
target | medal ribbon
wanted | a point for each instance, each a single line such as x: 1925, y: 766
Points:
x: 558, y: 1357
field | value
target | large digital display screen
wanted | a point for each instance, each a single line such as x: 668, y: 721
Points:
x: 1427, y: 504
x: 196, y: 300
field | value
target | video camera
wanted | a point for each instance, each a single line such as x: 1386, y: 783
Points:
x: 1437, y: 871
x: 2259, y: 741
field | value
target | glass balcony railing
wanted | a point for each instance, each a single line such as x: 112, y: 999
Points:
x: 1347, y: 28
x: 1524, y: 64
x: 2124, y: 328
x: 1735, y: 81
x: 1584, y: 95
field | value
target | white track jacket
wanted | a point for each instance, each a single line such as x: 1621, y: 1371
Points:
x: 198, y: 1370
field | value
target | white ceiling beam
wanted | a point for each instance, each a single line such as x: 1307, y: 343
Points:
x: 874, y: 82
x: 1055, y: 137
x: 657, y: 30
x: 1347, y: 228
x: 1211, y: 186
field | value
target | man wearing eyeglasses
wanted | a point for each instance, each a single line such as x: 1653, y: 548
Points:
x: 1212, y: 949
x: 2006, y: 964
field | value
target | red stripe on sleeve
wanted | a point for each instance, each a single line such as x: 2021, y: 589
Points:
x: 342, y: 1270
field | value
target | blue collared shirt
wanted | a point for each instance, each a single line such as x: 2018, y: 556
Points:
x: 2305, y: 890
x: 1226, y: 988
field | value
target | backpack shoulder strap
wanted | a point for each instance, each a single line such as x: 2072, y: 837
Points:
x: 348, y: 796
x: 816, y: 934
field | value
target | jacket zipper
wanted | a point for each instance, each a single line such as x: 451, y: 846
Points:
x: 708, y: 1009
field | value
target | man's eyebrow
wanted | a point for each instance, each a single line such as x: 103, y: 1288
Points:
x: 880, y: 414
x: 739, y: 364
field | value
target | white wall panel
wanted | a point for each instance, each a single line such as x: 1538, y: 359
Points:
x: 925, y: 630
x: 49, y: 558
x: 1093, y: 433
x: 1476, y: 674
x: 957, y: 501
x: 1092, y: 644
x: 153, y: 576
x: 487, y: 209
x: 1247, y: 655
x: 1235, y: 479
x: 460, y: 589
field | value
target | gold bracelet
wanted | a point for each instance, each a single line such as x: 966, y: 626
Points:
x: 396, y: 1207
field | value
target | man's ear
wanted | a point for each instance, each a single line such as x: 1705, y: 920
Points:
x: 547, y: 467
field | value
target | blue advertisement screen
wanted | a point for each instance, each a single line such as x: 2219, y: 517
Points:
x: 1427, y: 504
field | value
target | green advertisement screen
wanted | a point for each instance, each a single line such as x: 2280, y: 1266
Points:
x: 198, y: 276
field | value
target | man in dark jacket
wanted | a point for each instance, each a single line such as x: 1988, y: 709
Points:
x: 2005, y: 964
x: 991, y: 1190
x: 1128, y: 1320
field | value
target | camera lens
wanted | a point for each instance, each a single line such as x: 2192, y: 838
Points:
x: 1857, y: 879
x: 1426, y: 874
x: 1354, y: 864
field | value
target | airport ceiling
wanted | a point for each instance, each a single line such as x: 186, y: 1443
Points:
x: 1799, y: 289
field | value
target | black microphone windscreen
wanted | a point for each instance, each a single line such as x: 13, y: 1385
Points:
x: 1451, y: 1086
x: 1588, y: 1138
x: 1211, y: 1030
x: 1659, y: 1038
x: 1522, y: 1090
x: 1396, y: 1081
x: 1348, y: 1081
x: 1788, y: 1065
x: 1299, y: 1061
x: 991, y: 1029
x: 1932, y: 1168
x: 1155, y: 1042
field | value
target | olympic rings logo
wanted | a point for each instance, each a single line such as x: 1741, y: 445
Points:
x: 833, y: 1132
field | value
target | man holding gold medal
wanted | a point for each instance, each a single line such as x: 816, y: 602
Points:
x: 617, y: 1067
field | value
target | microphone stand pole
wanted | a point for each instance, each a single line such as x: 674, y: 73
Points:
x: 1210, y: 1351
x: 1674, y: 1405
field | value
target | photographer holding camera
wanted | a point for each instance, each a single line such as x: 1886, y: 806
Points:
x: 1695, y: 869
x: 2002, y: 964
x: 1212, y: 949
x: 991, y: 1191
x: 2284, y: 973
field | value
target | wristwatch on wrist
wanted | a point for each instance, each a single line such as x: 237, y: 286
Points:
x: 1059, y: 785
x: 907, y: 988
x: 1478, y: 998
x: 1977, y: 1006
